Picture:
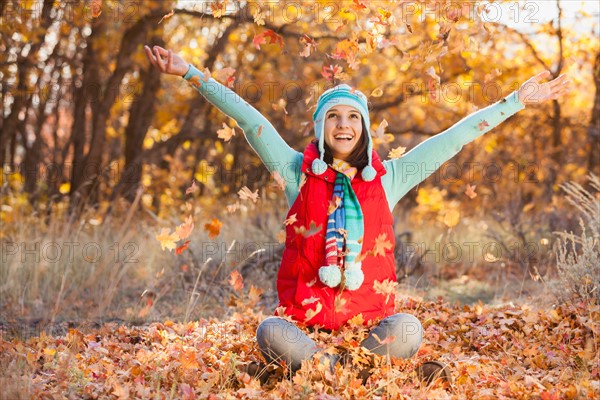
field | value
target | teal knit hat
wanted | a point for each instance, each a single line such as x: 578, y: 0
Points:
x: 341, y: 95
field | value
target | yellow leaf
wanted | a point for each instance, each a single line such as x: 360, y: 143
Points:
x: 397, y: 152
x: 167, y: 240
x: 451, y: 218
x: 377, y: 92
x: 65, y: 188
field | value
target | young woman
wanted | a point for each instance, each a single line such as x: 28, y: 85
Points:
x: 340, y: 189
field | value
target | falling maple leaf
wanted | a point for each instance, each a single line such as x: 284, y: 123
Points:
x: 431, y: 72
x: 381, y: 245
x: 258, y: 40
x: 310, y: 314
x: 279, y: 180
x: 259, y: 130
x: 397, y: 152
x: 290, y: 220
x: 184, y: 230
x: 376, y: 92
x: 258, y: 16
x: 333, y: 204
x: 381, y: 129
x: 308, y: 125
x: 308, y: 46
x: 311, y: 231
x: 181, y: 248
x: 166, y: 16
x: 224, y: 74
x: 206, y: 75
x: 451, y: 218
x: 280, y: 236
x: 231, y: 208
x: 167, y: 240
x: 471, y: 191
x: 195, y: 81
x: 385, y: 288
x: 358, y: 5
x: 482, y: 125
x: 387, y: 340
x: 236, y: 280
x: 247, y: 194
x: 302, y: 181
x: 95, y: 7
x: 280, y: 105
x: 226, y: 133
x: 310, y: 300
x: 218, y: 8
x: 333, y: 72
x: 192, y: 189
x: 269, y: 34
x: 213, y: 228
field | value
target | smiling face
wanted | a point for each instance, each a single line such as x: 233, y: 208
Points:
x: 342, y: 129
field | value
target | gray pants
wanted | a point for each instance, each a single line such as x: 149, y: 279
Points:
x: 280, y: 340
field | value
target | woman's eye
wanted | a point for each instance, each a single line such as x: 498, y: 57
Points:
x: 354, y: 115
x: 331, y: 115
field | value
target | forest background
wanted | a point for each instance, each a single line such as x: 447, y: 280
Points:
x: 127, y: 196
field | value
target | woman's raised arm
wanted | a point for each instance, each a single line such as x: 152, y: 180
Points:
x: 415, y: 166
x: 274, y: 152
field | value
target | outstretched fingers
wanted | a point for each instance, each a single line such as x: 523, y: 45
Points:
x: 541, y: 76
x: 150, y: 56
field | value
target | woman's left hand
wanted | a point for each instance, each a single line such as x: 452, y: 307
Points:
x: 532, y: 91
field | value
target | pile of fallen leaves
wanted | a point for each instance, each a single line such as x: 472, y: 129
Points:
x: 503, y: 352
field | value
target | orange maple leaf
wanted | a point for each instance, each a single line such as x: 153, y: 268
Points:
x: 181, y: 248
x: 184, y: 230
x: 482, y: 125
x: 236, y: 280
x: 213, y: 228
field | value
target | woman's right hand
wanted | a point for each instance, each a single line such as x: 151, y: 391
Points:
x: 173, y: 64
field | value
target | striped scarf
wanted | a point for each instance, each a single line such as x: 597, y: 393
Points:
x: 345, y: 226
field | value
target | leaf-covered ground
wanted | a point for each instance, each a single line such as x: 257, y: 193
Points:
x: 504, y: 352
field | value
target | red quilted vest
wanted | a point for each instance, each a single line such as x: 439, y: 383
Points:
x: 305, y: 298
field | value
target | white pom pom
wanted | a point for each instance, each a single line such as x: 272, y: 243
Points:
x: 330, y: 275
x: 368, y: 173
x: 318, y: 166
x: 354, y: 276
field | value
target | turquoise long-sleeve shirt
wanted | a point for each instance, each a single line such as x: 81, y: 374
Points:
x: 403, y: 173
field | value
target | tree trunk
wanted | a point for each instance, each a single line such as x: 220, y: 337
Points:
x: 140, y: 118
